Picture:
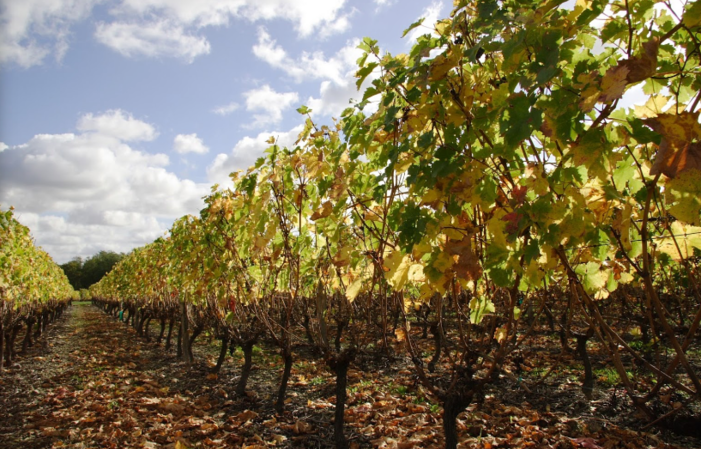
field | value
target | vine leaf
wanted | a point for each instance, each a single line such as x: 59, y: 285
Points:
x: 692, y: 15
x: 323, y: 212
x: 677, y: 153
x: 642, y: 67
x: 353, y: 290
x: 685, y: 192
x: 398, y: 269
x: 480, y: 306
x: 687, y: 238
x: 468, y: 265
x: 614, y: 83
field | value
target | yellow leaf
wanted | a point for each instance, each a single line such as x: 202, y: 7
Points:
x: 416, y: 273
x: 398, y: 269
x: 353, y: 290
x: 500, y: 334
x: 687, y: 237
x: 653, y: 106
x: 614, y: 84
x: 443, y: 262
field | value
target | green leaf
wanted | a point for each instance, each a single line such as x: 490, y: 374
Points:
x: 304, y: 110
x: 592, y: 277
x: 480, y: 306
x: 522, y: 120
x: 624, y: 173
x: 692, y: 15
x: 364, y: 72
x: 413, y: 25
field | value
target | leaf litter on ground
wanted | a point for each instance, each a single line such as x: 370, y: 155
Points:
x: 95, y: 383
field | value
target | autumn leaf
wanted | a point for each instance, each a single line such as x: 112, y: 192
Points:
x: 324, y: 212
x: 614, y: 83
x: 686, y: 238
x: 398, y: 269
x: 684, y: 193
x: 468, y: 265
x: 643, y: 66
x: 677, y: 152
x: 353, y: 290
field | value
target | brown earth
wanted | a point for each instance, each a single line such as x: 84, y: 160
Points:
x: 92, y: 382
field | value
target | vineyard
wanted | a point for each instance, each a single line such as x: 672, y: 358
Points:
x: 493, y: 189
x: 33, y: 288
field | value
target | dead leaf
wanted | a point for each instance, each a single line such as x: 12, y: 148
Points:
x: 324, y: 212
x: 246, y: 415
x: 302, y: 427
x: 588, y: 443
x: 642, y: 67
x: 468, y: 265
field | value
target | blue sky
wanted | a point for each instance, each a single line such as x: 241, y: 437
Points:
x: 117, y: 116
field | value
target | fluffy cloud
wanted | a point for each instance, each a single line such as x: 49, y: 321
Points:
x: 246, y: 152
x: 226, y: 109
x: 308, y: 65
x: 338, y: 87
x: 161, y: 38
x: 268, y: 104
x: 30, y: 30
x: 189, y: 143
x: 88, y: 191
x: 169, y: 27
x: 119, y: 124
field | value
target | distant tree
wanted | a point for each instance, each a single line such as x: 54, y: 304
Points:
x: 74, y: 272
x: 82, y: 274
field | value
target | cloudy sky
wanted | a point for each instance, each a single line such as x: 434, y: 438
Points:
x: 117, y: 116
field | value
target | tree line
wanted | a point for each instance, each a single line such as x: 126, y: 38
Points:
x: 84, y: 273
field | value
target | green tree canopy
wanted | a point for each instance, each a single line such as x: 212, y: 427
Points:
x: 83, y: 274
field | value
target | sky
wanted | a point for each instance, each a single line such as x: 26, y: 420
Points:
x: 118, y: 116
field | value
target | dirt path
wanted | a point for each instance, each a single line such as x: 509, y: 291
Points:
x: 88, y: 384
x: 71, y: 386
x: 93, y: 383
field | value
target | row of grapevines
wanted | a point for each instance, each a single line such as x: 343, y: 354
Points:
x: 32, y: 286
x: 498, y: 174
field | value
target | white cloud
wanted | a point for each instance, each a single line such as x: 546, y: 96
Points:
x: 90, y: 191
x: 269, y: 104
x: 226, y: 109
x: 3, y: 147
x: 118, y: 124
x: 308, y: 16
x: 431, y: 15
x: 189, y: 143
x: 334, y: 98
x: 160, y: 38
x: 169, y: 27
x: 246, y: 152
x: 338, y: 87
x: 30, y: 30
x: 308, y: 65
